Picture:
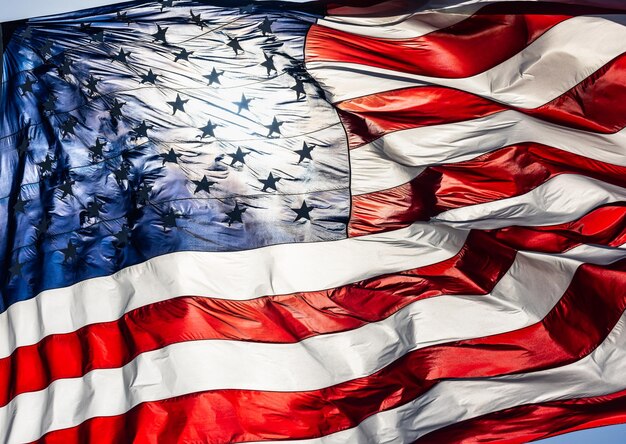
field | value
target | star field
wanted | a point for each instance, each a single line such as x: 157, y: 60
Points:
x: 162, y: 127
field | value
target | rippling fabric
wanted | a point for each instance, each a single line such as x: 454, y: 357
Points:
x: 187, y: 169
x: 93, y: 153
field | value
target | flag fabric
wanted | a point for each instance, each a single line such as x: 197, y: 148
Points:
x: 228, y: 222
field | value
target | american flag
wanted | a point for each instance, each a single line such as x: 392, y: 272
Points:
x: 228, y: 222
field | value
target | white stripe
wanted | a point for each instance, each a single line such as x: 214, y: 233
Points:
x: 522, y: 297
x: 38, y: 8
x: 446, y: 6
x: 398, y: 157
x: 432, y: 17
x: 372, y: 170
x: 561, y: 199
x: 452, y: 401
x: 551, y: 65
x: 406, y: 26
x: 279, y: 269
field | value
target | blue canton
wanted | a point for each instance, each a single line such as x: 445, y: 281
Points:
x: 131, y: 132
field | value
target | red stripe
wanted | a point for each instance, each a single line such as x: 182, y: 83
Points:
x: 390, y: 8
x: 467, y: 48
x: 367, y: 118
x: 290, y: 318
x: 508, y: 172
x: 285, y: 318
x: 598, y: 104
x: 535, y: 421
x: 603, y: 226
x: 581, y: 320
